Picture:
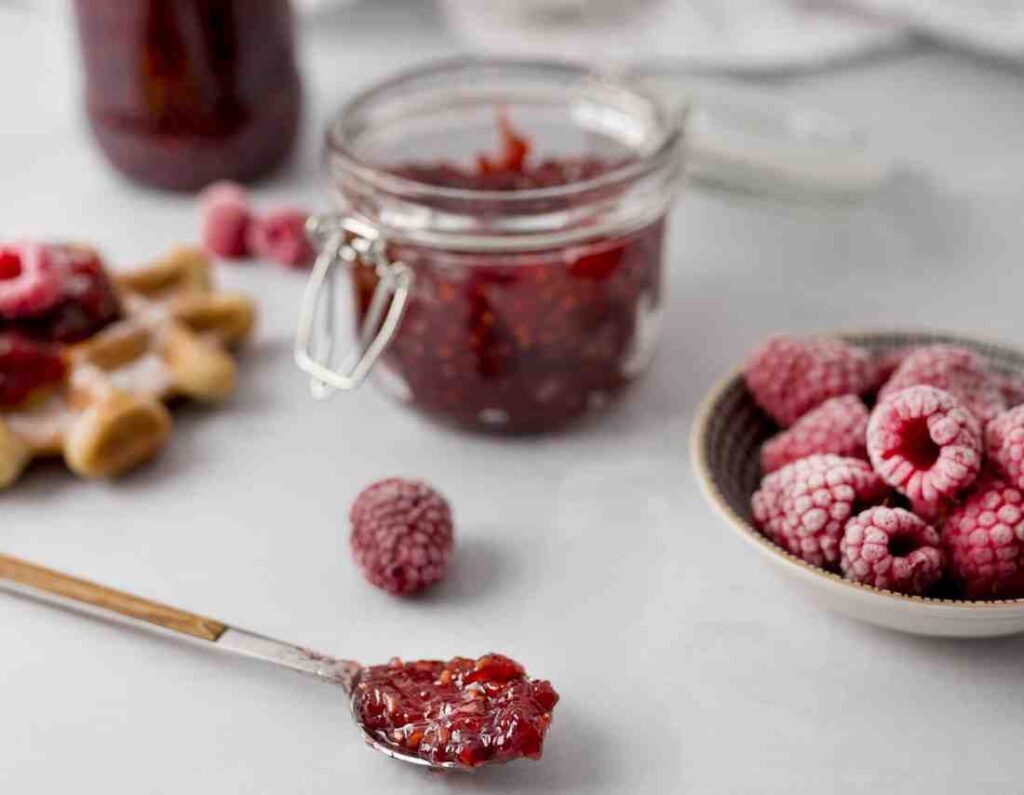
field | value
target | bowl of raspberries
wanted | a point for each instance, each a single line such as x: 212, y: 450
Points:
x: 883, y: 472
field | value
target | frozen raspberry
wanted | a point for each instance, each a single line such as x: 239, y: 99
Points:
x: 804, y: 506
x: 225, y: 216
x: 983, y: 542
x: 932, y: 512
x: 1011, y: 387
x: 28, y: 284
x: 1004, y: 445
x: 788, y: 377
x: 280, y: 236
x: 888, y: 361
x: 27, y: 367
x: 87, y: 302
x: 401, y: 535
x: 924, y: 443
x: 893, y: 549
x: 959, y: 371
x: 836, y: 426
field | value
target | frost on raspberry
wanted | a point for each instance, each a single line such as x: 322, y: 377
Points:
x: 960, y: 371
x: 28, y: 283
x: 86, y: 300
x: 925, y: 444
x: 280, y: 236
x: 836, y: 426
x: 402, y: 535
x: 983, y: 541
x: 225, y: 216
x: 1004, y: 445
x: 892, y: 549
x: 788, y: 376
x: 804, y: 506
x: 888, y: 361
x: 1011, y: 386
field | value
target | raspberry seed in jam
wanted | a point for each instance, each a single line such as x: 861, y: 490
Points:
x: 461, y: 713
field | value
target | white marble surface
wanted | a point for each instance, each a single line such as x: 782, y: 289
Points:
x: 684, y: 665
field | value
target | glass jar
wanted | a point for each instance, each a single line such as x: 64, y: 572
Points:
x: 180, y: 93
x: 510, y: 292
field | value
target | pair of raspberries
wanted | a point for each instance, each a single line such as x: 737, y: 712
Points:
x: 922, y: 492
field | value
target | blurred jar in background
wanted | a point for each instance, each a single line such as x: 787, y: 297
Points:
x: 180, y: 93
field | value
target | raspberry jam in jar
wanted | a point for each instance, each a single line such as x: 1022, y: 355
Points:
x: 503, y: 225
x: 180, y: 93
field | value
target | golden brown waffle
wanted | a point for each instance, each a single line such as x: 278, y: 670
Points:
x: 109, y: 416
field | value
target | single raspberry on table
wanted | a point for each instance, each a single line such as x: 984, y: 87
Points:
x: 29, y: 285
x: 804, y: 506
x: 225, y: 216
x: 788, y: 377
x: 26, y: 367
x: 893, y: 549
x: 960, y: 371
x: 1004, y: 445
x: 925, y: 444
x: 836, y: 426
x: 280, y: 236
x: 402, y: 535
x: 984, y: 541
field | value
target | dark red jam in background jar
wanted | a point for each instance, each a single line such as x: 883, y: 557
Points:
x: 180, y: 93
x: 527, y: 202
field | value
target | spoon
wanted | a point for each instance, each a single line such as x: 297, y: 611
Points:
x: 62, y: 590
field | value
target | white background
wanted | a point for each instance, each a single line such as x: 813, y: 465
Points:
x: 684, y: 665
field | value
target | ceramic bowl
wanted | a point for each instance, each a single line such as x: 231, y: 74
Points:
x: 725, y: 445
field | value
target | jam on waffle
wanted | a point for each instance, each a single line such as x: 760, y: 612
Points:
x: 88, y: 359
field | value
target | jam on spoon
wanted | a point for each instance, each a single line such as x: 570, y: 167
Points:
x: 460, y: 713
x: 444, y: 715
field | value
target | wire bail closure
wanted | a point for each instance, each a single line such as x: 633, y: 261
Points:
x: 346, y: 240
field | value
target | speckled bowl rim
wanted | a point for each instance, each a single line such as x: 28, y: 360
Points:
x: 711, y: 492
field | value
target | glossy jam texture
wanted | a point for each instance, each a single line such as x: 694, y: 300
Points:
x: 521, y: 342
x: 462, y: 712
x: 180, y: 93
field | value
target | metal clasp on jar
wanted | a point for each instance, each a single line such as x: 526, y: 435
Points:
x: 344, y: 240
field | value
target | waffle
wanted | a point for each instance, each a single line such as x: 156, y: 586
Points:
x: 173, y: 341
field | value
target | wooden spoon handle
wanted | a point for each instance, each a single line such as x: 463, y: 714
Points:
x: 71, y: 591
x: 53, y: 587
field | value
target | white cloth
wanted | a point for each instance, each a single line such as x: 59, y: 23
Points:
x: 993, y: 27
x: 733, y: 35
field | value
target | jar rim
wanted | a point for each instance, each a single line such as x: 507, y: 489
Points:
x: 664, y: 152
